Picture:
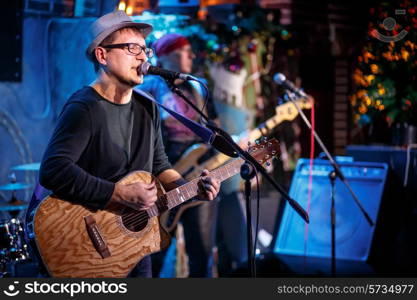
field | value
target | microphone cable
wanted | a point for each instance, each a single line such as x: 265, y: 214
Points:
x: 310, y: 177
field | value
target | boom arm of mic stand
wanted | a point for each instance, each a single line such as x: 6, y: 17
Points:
x: 332, y: 162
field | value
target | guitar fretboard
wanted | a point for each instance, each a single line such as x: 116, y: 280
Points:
x: 189, y: 190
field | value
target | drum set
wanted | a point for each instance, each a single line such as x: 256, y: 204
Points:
x: 13, y: 243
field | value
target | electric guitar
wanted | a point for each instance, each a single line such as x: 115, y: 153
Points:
x: 74, y: 241
x: 190, y: 166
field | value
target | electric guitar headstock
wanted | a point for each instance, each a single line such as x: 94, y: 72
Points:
x: 288, y: 111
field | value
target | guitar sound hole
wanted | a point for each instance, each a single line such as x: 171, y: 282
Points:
x: 134, y: 220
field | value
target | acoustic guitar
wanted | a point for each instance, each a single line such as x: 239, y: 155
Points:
x: 74, y: 241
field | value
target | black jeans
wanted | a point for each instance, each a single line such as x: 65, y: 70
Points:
x: 142, y: 269
x: 199, y: 228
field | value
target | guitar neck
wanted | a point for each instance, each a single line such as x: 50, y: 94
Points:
x: 262, y: 130
x: 189, y: 190
x: 265, y: 128
x: 286, y: 111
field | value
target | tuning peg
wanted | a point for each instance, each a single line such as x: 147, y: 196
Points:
x: 264, y: 139
x: 257, y: 142
x: 267, y: 163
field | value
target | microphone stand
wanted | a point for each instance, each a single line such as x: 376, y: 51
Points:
x: 332, y: 176
x: 247, y: 172
x: 336, y: 167
x: 236, y: 151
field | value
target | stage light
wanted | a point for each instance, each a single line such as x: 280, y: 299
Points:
x: 122, y: 6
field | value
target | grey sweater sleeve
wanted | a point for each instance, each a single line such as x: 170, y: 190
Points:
x: 59, y: 171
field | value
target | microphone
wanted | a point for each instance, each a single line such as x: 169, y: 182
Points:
x: 280, y: 79
x: 147, y: 68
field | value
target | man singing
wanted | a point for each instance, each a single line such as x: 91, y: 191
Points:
x: 106, y: 130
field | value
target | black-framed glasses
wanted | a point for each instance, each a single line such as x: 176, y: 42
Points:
x: 133, y: 48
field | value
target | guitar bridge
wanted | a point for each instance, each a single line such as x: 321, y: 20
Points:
x: 96, y: 238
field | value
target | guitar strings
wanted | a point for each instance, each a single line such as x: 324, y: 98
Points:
x: 137, y: 218
x: 133, y: 219
x: 130, y: 217
x: 133, y: 222
x: 134, y: 214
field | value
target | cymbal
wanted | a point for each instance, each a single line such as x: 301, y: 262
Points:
x: 27, y: 167
x: 14, y: 186
x: 12, y: 207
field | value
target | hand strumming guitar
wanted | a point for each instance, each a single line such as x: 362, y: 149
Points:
x: 139, y: 196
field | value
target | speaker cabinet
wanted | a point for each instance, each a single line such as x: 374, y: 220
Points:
x: 354, y: 235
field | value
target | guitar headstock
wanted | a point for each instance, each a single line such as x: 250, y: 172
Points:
x: 289, y: 112
x: 264, y: 150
